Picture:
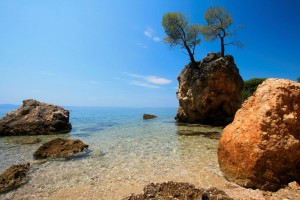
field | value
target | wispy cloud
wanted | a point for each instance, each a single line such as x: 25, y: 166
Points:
x: 149, y: 32
x: 94, y: 82
x: 147, y: 81
x: 157, y: 80
x: 142, y: 45
x: 44, y: 73
x: 138, y: 83
x: 156, y: 39
x: 150, y: 79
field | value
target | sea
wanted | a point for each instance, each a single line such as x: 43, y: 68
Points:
x: 125, y: 153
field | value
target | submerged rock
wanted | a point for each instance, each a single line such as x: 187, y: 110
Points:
x: 60, y: 148
x: 178, y: 191
x: 210, y: 93
x: 261, y: 147
x: 13, y: 177
x: 148, y: 116
x: 35, y: 118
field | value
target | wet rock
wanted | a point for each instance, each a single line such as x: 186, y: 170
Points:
x: 211, y: 93
x: 60, y: 148
x: 13, y: 177
x: 148, y: 116
x: 261, y: 147
x: 35, y: 118
x: 178, y: 191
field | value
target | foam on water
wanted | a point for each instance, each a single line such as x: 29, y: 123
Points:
x: 125, y: 150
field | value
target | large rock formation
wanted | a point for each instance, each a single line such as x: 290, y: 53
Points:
x: 60, y: 148
x: 13, y: 177
x: 210, y: 93
x: 261, y: 147
x: 178, y: 191
x: 35, y: 118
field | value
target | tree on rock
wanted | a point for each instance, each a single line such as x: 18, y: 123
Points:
x: 179, y: 32
x: 298, y: 79
x: 218, y: 21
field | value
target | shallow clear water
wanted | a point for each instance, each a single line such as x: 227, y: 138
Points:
x: 126, y: 151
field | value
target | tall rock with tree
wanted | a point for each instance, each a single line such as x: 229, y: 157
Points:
x: 209, y: 92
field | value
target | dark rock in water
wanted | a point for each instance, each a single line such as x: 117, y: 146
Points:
x: 35, y: 118
x: 13, y: 177
x: 178, y: 191
x: 211, y: 93
x: 148, y: 116
x: 60, y: 148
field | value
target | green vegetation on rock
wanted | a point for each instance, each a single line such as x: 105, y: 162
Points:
x: 179, y: 32
x: 250, y: 87
x: 218, y: 21
x: 298, y: 79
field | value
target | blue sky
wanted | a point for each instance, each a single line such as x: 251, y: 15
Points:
x: 110, y: 52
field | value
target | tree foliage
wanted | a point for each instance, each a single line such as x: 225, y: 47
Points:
x: 218, y: 21
x: 298, y: 79
x: 179, y: 32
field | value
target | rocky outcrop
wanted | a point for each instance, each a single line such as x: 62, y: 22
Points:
x: 60, y: 148
x: 148, y: 116
x: 261, y: 147
x: 35, y: 118
x: 178, y: 191
x: 210, y: 93
x: 13, y: 177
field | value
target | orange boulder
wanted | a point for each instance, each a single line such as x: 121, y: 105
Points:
x: 261, y: 147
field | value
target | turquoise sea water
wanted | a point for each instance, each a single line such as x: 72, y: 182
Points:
x: 125, y: 151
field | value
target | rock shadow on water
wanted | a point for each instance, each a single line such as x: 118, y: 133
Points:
x: 199, y: 130
x: 92, y: 129
x: 15, y: 141
x: 82, y: 135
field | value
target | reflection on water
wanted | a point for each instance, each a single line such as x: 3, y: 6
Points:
x: 125, y: 152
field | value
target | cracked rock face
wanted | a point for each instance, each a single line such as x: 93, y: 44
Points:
x: 210, y: 93
x: 261, y: 147
x: 35, y: 118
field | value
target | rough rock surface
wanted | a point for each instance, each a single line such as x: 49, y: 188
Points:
x: 60, y: 148
x: 211, y: 93
x: 261, y: 147
x: 35, y: 118
x: 13, y: 177
x: 148, y: 116
x: 178, y: 191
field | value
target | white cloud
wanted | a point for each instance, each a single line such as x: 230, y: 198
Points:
x: 133, y: 75
x: 157, y: 80
x: 156, y: 39
x: 138, y: 83
x: 148, y: 32
x: 148, y: 81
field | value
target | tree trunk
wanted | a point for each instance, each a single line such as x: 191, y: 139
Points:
x: 222, y: 46
x: 191, y: 55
